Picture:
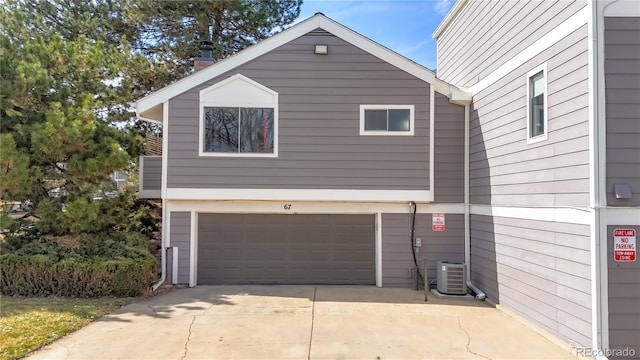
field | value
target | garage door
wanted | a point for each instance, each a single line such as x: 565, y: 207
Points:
x: 286, y: 249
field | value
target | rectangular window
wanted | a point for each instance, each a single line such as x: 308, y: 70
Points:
x: 537, y: 105
x: 238, y: 130
x: 386, y: 119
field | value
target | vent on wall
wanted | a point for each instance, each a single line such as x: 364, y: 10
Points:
x: 452, y: 277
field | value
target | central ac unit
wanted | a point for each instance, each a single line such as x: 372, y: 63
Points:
x: 452, y: 277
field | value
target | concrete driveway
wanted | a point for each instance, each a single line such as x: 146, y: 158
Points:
x: 303, y: 322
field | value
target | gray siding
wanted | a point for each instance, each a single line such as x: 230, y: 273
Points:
x: 539, y: 269
x: 396, y: 248
x: 151, y: 172
x: 180, y: 237
x: 449, y: 151
x: 622, y: 78
x: 504, y: 169
x: 624, y: 298
x: 319, y: 141
x: 487, y: 33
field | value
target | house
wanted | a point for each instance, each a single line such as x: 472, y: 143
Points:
x: 291, y: 163
x: 553, y: 160
x: 320, y: 157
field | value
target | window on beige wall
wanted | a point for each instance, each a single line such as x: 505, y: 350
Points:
x: 537, y: 117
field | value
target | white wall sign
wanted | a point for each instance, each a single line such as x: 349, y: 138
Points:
x: 624, y: 244
x: 437, y: 222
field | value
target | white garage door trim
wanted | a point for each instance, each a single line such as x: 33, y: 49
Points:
x: 277, y: 207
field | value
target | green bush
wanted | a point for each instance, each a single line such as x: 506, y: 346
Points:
x: 51, y: 219
x: 83, y: 216
x: 87, y: 216
x: 92, y: 248
x: 46, y: 275
x: 116, y: 264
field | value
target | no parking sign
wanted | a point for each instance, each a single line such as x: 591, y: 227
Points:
x: 624, y: 245
x: 437, y: 222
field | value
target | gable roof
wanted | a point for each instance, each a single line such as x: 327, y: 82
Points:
x: 150, y: 107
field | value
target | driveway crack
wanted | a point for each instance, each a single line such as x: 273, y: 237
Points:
x: 468, y: 347
x: 313, y: 315
x: 186, y: 344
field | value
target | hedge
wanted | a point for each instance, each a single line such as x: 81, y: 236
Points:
x: 40, y: 275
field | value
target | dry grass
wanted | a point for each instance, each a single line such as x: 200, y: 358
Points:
x: 26, y: 324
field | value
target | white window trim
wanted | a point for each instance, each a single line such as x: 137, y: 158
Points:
x: 388, y: 107
x: 239, y: 101
x: 117, y: 178
x: 545, y: 134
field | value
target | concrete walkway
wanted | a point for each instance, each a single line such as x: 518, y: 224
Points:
x: 303, y: 322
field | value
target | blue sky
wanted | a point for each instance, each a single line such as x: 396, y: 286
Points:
x: 404, y: 26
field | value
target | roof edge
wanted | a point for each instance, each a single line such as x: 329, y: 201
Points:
x: 453, y: 13
x: 198, y: 77
x: 317, y: 21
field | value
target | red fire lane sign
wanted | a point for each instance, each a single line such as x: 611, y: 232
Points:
x: 624, y: 244
x: 437, y: 223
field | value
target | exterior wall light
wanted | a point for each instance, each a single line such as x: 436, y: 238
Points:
x: 322, y: 49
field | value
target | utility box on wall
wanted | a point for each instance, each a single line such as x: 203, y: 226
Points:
x: 452, y: 277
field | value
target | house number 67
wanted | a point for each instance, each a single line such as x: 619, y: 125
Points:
x: 287, y: 206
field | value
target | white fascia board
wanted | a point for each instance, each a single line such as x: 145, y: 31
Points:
x: 264, y: 46
x: 570, y: 215
x: 311, y: 207
x: 227, y: 64
x: 299, y: 195
x: 621, y: 216
x: 573, y: 23
x: 387, y: 55
x: 451, y: 15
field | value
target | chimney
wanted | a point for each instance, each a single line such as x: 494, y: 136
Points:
x: 206, y: 56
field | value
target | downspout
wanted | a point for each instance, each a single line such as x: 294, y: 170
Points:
x: 594, y: 228
x: 480, y: 295
x: 597, y: 170
x: 467, y: 212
